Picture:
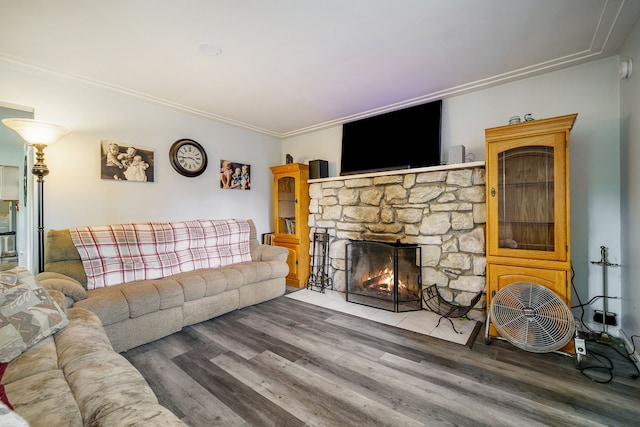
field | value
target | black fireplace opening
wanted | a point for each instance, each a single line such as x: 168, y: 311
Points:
x: 384, y: 275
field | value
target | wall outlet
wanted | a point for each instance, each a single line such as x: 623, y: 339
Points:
x: 609, y: 319
x: 581, y: 347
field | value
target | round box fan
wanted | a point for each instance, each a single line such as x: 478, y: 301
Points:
x: 532, y: 317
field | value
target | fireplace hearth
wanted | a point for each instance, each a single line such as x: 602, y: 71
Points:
x: 383, y: 275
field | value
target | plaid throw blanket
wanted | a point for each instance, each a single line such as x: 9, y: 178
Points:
x: 114, y: 254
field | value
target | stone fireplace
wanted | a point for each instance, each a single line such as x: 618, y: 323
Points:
x: 383, y: 275
x: 441, y: 209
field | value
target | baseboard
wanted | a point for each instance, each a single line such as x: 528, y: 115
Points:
x: 613, y: 331
x: 635, y: 356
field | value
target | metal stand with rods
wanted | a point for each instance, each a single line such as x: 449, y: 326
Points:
x: 604, y: 263
x: 319, y: 279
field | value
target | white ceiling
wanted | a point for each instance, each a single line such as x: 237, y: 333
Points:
x: 292, y: 66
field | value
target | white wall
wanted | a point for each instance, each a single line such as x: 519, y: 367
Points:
x: 630, y: 188
x: 592, y: 91
x: 74, y: 193
x: 324, y: 144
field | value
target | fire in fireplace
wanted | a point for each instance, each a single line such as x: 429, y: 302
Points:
x: 384, y: 275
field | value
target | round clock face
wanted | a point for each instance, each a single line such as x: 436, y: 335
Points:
x: 188, y: 157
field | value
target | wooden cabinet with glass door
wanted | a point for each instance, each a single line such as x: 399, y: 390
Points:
x: 291, y: 216
x: 528, y: 216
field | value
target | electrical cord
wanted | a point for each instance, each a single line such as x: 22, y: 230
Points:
x: 607, y: 369
x: 592, y: 300
x: 633, y: 344
x: 628, y: 358
x: 599, y: 356
x: 580, y: 304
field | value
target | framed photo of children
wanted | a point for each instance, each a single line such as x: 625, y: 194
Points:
x: 234, y: 175
x: 125, y: 162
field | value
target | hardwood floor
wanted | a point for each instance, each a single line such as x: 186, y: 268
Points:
x: 289, y: 363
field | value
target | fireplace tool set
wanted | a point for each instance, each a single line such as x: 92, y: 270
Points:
x: 319, y: 278
x: 604, y: 316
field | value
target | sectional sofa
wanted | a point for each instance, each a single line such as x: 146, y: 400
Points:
x: 74, y: 378
x: 86, y: 382
x: 142, y: 311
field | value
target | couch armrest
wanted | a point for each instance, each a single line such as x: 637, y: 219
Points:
x: 71, y: 288
x: 59, y: 298
x: 269, y: 253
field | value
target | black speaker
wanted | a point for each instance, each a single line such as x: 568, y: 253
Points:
x: 318, y: 169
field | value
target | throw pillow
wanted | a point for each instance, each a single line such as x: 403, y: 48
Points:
x: 28, y: 314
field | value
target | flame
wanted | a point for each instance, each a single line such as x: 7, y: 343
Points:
x: 384, y: 281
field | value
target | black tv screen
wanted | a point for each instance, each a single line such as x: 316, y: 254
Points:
x: 403, y: 139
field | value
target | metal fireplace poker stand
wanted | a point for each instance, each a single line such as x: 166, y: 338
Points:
x: 604, y: 316
x: 319, y: 278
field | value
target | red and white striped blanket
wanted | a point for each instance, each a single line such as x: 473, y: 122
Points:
x: 121, y: 253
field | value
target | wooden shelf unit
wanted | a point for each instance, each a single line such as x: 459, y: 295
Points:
x: 291, y: 218
x: 528, y: 207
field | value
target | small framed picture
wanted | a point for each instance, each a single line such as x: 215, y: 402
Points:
x: 126, y: 162
x: 235, y: 175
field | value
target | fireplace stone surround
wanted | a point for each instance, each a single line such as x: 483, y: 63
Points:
x: 442, y: 209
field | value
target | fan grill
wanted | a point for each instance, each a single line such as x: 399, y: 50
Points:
x: 532, y: 317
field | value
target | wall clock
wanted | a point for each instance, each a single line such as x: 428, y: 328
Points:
x: 188, y: 157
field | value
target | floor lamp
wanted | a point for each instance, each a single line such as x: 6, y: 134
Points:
x: 39, y: 135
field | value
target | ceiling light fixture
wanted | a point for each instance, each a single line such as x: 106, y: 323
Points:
x: 210, y: 49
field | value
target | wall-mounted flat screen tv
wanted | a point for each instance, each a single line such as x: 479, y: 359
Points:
x: 403, y: 139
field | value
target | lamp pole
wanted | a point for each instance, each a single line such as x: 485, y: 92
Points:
x: 40, y: 170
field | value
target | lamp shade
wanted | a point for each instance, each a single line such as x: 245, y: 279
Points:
x: 35, y: 132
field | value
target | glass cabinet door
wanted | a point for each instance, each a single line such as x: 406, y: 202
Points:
x: 526, y: 219
x: 286, y: 223
x: 527, y: 206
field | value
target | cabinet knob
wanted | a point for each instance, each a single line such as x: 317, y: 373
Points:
x: 493, y: 192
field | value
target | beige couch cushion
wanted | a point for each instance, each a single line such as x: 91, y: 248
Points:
x: 69, y: 286
x: 108, y: 303
x: 41, y: 357
x: 98, y: 394
x: 44, y: 399
x: 134, y: 299
x: 86, y: 356
x: 82, y: 337
x: 216, y: 282
x: 268, y: 253
x: 63, y: 257
x: 139, y: 414
x: 194, y: 286
x: 130, y: 300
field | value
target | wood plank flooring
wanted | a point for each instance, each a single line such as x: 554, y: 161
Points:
x: 289, y: 363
